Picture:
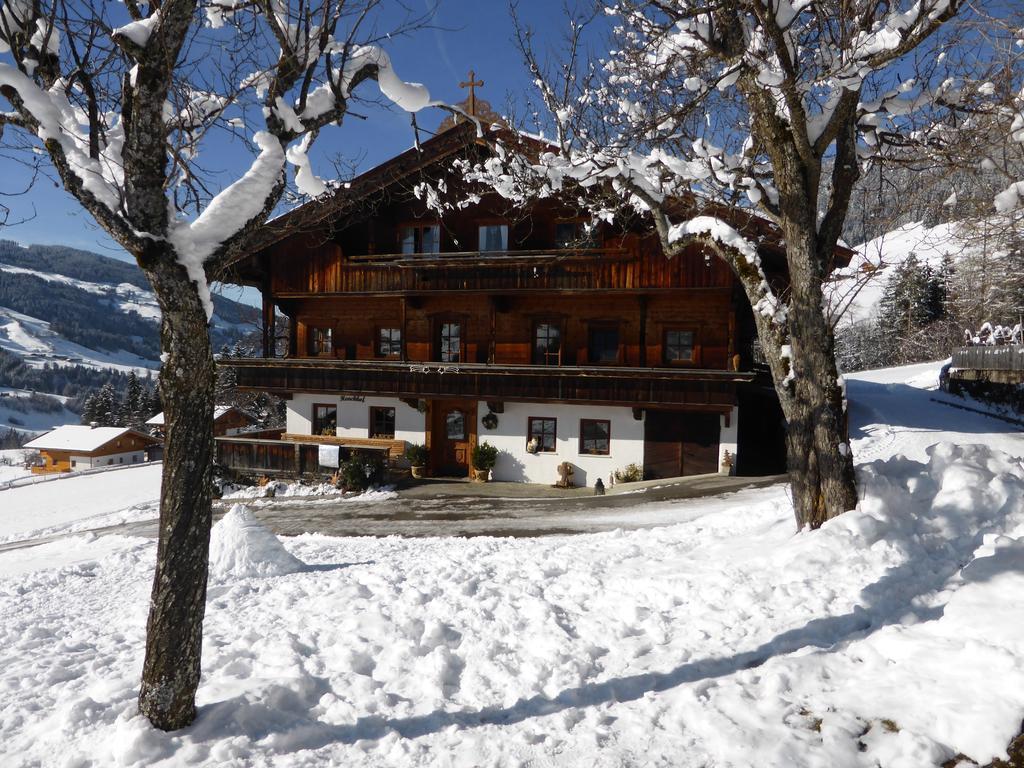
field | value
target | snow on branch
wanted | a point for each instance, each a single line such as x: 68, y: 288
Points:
x: 228, y: 212
x: 56, y: 120
x: 1013, y: 196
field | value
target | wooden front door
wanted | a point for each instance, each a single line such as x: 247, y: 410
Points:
x: 679, y: 443
x: 452, y: 437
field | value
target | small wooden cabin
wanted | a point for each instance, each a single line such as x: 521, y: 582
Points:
x: 227, y: 421
x: 72, y: 448
x: 553, y: 340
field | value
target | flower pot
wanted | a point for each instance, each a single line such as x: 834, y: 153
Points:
x: 418, y: 471
x: 481, y: 475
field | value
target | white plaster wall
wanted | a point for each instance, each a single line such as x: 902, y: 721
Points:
x: 728, y: 435
x: 354, y: 417
x: 515, y: 464
x: 89, y: 462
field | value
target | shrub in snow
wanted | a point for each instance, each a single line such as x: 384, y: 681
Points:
x: 362, y: 471
x: 241, y: 547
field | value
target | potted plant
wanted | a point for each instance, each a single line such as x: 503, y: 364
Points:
x: 417, y: 456
x: 483, y: 458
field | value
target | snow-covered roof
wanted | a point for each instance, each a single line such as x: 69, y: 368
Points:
x: 218, y: 411
x: 75, y: 437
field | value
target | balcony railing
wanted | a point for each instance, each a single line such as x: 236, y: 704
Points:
x: 698, y: 389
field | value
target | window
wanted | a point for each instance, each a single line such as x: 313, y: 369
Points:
x: 421, y: 238
x: 595, y: 437
x: 544, y: 432
x: 603, y: 344
x: 450, y: 346
x: 494, y: 237
x: 679, y: 346
x: 575, y: 234
x: 455, y: 425
x: 547, y: 344
x: 325, y: 419
x: 320, y: 341
x: 382, y: 423
x: 389, y: 342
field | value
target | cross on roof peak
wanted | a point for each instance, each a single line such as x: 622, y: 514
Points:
x: 472, y: 84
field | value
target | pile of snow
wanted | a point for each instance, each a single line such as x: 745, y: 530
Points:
x: 242, y: 548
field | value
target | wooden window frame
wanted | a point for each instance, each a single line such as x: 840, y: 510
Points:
x: 311, y: 335
x: 608, y: 451
x: 558, y: 323
x: 554, y: 434
x: 439, y: 323
x: 317, y: 429
x: 605, y: 325
x: 377, y: 342
x: 694, y: 360
x: 419, y: 226
x: 374, y: 409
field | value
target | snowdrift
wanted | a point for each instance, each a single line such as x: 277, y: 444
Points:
x: 242, y: 548
x: 890, y: 637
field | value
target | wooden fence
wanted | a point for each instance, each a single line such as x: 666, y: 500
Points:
x: 1001, y: 358
x: 280, y: 457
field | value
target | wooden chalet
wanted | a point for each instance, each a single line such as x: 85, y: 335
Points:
x: 73, y: 448
x: 516, y: 327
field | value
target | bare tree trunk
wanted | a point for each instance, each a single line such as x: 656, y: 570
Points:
x: 820, y: 461
x: 174, y: 632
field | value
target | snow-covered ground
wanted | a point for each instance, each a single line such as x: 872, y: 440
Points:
x: 12, y: 464
x: 16, y: 412
x: 890, y: 638
x: 856, y: 291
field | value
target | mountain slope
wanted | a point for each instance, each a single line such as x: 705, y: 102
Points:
x: 856, y: 291
x: 69, y: 307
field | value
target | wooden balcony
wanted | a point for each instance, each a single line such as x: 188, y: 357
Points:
x: 602, y: 269
x: 693, y: 389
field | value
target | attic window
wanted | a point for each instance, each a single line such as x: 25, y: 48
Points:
x: 494, y: 237
x: 420, y: 238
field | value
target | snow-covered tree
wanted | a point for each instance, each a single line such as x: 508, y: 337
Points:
x: 701, y: 113
x: 123, y: 98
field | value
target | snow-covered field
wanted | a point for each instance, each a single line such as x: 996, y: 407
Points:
x: 890, y: 638
x: 857, y: 294
x: 16, y: 412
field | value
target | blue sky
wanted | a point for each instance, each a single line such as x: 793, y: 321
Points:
x: 473, y: 34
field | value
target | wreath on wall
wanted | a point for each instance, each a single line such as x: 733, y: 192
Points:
x: 490, y: 421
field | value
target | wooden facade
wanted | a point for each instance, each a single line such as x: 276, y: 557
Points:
x: 113, y: 453
x: 487, y: 303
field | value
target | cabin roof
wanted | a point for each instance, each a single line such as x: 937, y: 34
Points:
x: 76, y: 437
x: 218, y: 412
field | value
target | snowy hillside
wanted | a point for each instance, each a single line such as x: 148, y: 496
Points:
x: 23, y: 411
x: 720, y: 636
x: 856, y: 291
x: 34, y: 341
x: 68, y: 307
